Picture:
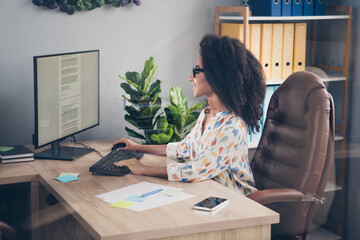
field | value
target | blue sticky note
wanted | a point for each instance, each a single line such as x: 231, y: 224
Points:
x: 67, y: 178
x: 133, y: 198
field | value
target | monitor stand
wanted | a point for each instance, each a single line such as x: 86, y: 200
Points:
x: 62, y: 153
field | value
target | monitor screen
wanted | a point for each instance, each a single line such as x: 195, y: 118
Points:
x: 66, y: 96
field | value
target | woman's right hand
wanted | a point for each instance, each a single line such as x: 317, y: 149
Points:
x: 129, y: 144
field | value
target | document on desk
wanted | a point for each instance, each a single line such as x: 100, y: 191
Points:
x: 166, y: 196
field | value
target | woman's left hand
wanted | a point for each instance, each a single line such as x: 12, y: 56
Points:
x: 135, y: 166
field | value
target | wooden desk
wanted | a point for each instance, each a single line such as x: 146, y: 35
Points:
x: 12, y: 173
x: 17, y: 173
x: 242, y: 218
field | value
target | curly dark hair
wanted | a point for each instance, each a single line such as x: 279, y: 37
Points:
x: 235, y: 76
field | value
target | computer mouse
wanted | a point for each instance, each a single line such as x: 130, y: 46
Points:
x: 119, y: 145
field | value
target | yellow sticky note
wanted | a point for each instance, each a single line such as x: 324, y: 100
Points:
x: 122, y: 204
x: 74, y: 174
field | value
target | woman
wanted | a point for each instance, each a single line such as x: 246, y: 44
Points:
x: 217, y: 147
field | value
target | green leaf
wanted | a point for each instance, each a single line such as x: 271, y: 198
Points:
x: 71, y: 10
x: 131, y: 110
x: 189, y: 119
x: 130, y: 82
x: 115, y: 3
x: 179, y: 122
x: 156, y: 99
x: 134, y: 77
x: 147, y: 68
x: 162, y: 138
x: 155, y: 89
x: 88, y: 3
x: 132, y: 133
x: 147, y: 82
x: 132, y: 121
x: 162, y: 123
x: 135, y: 103
x: 151, y: 111
x: 177, y: 99
x: 195, y: 114
x: 127, y: 88
x: 196, y: 106
x: 169, y: 115
x: 174, y: 111
x: 155, y: 138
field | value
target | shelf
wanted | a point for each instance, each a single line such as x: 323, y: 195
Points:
x: 284, y: 18
x: 338, y: 75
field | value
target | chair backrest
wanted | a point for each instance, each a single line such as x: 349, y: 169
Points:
x: 296, y: 149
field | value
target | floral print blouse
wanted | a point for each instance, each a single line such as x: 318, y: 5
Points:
x: 220, y: 152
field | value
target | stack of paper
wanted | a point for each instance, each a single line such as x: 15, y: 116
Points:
x: 133, y: 197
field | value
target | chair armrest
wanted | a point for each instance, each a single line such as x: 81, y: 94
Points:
x: 276, y: 195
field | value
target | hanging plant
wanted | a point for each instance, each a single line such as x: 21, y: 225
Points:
x: 71, y: 6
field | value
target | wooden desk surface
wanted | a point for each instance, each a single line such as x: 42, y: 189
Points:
x: 177, y: 219
x: 17, y: 173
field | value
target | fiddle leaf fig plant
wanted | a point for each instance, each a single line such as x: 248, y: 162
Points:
x: 145, y: 102
x: 179, y: 115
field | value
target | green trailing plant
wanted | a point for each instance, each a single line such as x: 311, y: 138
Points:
x: 71, y: 6
x: 179, y: 115
x: 145, y: 102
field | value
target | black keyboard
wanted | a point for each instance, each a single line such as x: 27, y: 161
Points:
x: 105, y: 166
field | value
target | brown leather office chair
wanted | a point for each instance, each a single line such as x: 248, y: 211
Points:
x: 293, y: 159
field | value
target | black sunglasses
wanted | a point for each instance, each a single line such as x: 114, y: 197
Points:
x: 197, y: 70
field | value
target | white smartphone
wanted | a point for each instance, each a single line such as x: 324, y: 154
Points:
x: 211, y: 204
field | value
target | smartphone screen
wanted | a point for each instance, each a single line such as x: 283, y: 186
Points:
x: 211, y: 203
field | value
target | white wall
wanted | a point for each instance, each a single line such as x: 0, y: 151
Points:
x: 168, y: 30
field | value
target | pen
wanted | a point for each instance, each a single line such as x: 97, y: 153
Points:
x: 152, y: 192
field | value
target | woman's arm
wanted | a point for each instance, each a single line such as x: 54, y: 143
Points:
x: 133, y: 146
x: 138, y: 168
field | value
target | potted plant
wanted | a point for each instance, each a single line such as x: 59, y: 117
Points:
x: 145, y: 103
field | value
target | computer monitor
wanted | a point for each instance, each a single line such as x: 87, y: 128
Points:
x: 66, y: 88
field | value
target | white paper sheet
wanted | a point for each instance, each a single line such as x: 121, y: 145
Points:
x: 152, y: 201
